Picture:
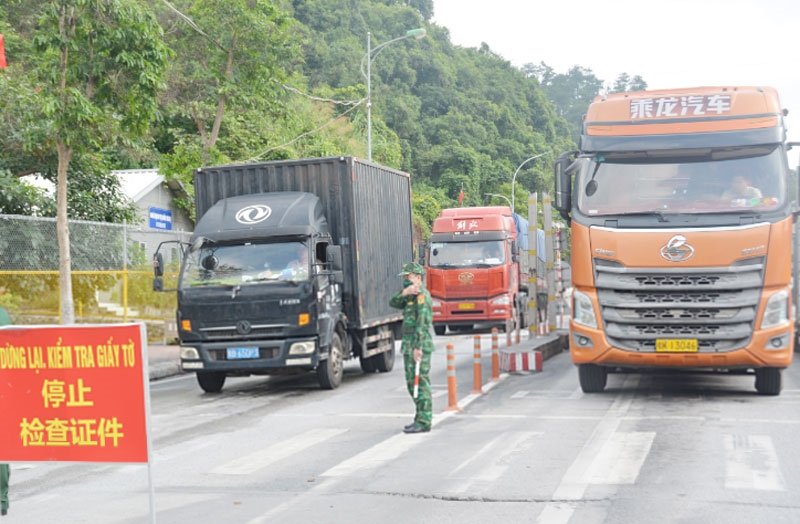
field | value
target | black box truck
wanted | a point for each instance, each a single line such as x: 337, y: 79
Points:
x: 290, y: 269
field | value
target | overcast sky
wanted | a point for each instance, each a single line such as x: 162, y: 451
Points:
x: 681, y: 43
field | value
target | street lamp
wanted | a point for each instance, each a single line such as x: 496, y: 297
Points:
x: 500, y: 196
x: 372, y: 53
x: 517, y: 171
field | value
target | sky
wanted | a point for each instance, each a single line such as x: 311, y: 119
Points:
x: 669, y: 44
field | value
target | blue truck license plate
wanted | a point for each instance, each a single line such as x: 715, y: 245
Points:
x: 237, y: 353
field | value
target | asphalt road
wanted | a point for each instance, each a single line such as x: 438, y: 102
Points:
x: 655, y: 447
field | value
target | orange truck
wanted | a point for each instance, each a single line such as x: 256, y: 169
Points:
x: 681, y: 217
x: 477, y: 269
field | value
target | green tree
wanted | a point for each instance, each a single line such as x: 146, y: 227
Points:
x: 92, y: 73
x: 231, y: 63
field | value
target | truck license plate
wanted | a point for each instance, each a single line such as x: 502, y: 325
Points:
x: 466, y: 305
x: 238, y: 353
x: 676, y: 345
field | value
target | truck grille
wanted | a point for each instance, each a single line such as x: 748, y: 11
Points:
x: 715, y: 305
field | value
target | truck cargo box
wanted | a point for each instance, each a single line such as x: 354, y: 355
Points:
x: 368, y: 209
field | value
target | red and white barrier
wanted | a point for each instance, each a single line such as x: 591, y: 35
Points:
x: 521, y: 361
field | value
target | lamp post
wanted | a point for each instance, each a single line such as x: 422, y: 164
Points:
x: 517, y: 171
x: 500, y: 196
x: 372, y: 53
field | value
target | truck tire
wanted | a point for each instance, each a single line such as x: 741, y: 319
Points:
x: 768, y: 381
x: 384, y: 362
x: 331, y: 370
x: 367, y: 364
x: 592, y: 378
x: 211, y: 381
x: 440, y: 329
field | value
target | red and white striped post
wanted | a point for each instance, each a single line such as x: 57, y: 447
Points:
x: 452, y: 395
x: 476, y: 367
x: 495, y: 356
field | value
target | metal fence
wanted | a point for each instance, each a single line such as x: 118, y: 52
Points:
x: 111, y: 272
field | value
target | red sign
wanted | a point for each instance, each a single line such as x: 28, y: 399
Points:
x: 72, y: 393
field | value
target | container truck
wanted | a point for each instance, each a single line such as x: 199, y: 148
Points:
x: 681, y: 212
x: 477, y: 270
x: 290, y: 269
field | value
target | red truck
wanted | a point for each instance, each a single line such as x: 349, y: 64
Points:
x: 477, y: 269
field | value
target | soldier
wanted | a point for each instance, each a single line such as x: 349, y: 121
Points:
x: 417, y: 346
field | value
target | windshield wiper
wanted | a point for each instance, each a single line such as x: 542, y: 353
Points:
x: 657, y: 214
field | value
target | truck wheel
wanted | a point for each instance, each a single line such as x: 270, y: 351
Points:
x: 331, y: 370
x: 768, y: 381
x: 592, y: 378
x: 367, y: 364
x: 211, y: 381
x: 440, y: 329
x: 384, y: 362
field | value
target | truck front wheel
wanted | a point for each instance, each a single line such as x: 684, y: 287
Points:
x: 331, y: 370
x: 592, y: 378
x: 211, y: 381
x: 439, y: 329
x: 768, y: 381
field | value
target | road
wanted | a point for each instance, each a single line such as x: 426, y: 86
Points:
x: 653, y: 447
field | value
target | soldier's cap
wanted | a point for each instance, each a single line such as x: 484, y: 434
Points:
x: 412, y: 267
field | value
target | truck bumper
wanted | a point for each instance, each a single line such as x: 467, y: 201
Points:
x: 455, y: 313
x: 273, y: 355
x: 589, y: 346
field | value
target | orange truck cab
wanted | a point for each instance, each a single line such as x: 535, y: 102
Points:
x: 477, y: 269
x: 681, y: 218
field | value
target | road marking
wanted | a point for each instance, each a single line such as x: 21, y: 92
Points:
x: 495, y: 452
x: 621, y: 458
x: 577, y: 478
x: 262, y: 458
x: 752, y: 463
x: 376, y: 456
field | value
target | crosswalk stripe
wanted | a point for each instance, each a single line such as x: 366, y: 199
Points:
x: 621, y: 458
x: 274, y: 452
x: 377, y: 455
x: 752, y: 463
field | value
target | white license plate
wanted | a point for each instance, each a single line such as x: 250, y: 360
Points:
x: 239, y: 353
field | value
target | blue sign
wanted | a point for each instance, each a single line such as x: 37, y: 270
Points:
x: 160, y: 219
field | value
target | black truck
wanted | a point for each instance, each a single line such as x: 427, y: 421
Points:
x: 290, y: 269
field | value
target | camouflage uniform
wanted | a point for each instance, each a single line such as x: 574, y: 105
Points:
x: 417, y: 322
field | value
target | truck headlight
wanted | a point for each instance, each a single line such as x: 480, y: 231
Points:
x: 584, y: 311
x: 189, y: 353
x: 302, y: 348
x: 436, y: 303
x: 777, y: 310
x: 502, y: 301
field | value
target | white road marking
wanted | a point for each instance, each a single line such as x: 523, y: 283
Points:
x: 577, y: 478
x: 621, y: 458
x: 494, y: 452
x: 752, y: 463
x: 262, y: 458
x: 376, y: 456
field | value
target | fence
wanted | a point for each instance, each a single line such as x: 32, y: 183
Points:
x: 111, y: 272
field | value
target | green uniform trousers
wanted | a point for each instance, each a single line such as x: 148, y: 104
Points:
x: 424, y: 400
x: 5, y: 472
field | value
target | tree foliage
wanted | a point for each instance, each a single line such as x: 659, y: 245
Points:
x: 95, y: 85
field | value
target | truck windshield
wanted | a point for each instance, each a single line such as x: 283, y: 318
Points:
x: 693, y: 181
x: 249, y: 263
x: 486, y: 253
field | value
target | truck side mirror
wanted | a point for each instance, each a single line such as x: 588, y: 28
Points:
x: 158, y: 265
x: 334, y: 257
x: 422, y: 248
x: 514, y: 248
x: 158, y: 284
x: 563, y: 182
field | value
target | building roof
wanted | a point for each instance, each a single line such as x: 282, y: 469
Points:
x: 135, y: 183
